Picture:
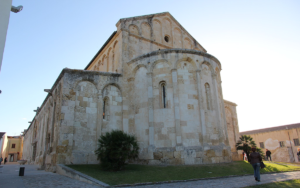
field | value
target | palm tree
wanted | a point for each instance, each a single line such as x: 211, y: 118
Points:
x: 245, y: 143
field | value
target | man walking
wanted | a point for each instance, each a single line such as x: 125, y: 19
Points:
x: 268, y: 154
x: 1, y: 159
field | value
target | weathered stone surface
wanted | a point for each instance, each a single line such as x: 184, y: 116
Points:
x: 157, y: 155
x: 151, y: 79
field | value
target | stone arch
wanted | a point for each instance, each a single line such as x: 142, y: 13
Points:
x: 113, y: 102
x: 146, y: 30
x: 157, y: 30
x: 85, y: 80
x: 208, y: 64
x: 134, y: 29
x: 188, y: 59
x: 159, y: 61
x: 108, y: 84
x: 137, y: 68
x: 177, y: 38
x: 187, y: 43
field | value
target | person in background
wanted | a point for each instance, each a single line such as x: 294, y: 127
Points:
x: 268, y: 154
x: 1, y: 159
x: 255, y: 160
x: 298, y: 153
x: 5, y: 160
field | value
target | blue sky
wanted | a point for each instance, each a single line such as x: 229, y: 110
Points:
x: 257, y: 43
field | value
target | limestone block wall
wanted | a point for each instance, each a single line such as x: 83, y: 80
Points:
x: 41, y: 137
x: 169, y: 99
x: 82, y: 114
x: 232, y: 127
x: 189, y: 127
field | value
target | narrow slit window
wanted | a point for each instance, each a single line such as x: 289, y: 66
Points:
x: 104, y: 101
x: 163, y: 90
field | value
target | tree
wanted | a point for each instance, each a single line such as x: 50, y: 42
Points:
x: 115, y: 148
x: 245, y: 143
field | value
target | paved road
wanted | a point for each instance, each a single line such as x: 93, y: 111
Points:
x: 33, y: 178
x: 229, y: 182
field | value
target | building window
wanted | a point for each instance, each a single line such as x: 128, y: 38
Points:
x: 296, y: 142
x: 166, y: 38
x: 163, y: 94
x: 281, y: 143
x: 106, y: 109
x: 262, y: 145
x: 104, y: 103
x: 13, y: 146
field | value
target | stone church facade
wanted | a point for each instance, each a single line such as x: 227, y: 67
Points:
x: 151, y: 79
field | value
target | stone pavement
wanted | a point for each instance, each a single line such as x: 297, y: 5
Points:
x: 33, y: 178
x: 241, y: 181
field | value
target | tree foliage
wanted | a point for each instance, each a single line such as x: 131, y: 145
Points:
x: 115, y: 148
x: 245, y: 144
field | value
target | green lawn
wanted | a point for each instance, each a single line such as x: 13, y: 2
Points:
x: 146, y: 173
x: 282, y: 184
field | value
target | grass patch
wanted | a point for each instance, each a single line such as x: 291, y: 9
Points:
x: 146, y: 173
x: 282, y: 184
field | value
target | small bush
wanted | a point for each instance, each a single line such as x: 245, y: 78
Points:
x: 115, y: 148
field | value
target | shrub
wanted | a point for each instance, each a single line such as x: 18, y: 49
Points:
x: 115, y: 148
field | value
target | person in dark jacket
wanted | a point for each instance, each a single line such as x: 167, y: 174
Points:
x: 255, y: 160
x: 5, y: 160
x: 268, y: 154
x: 298, y: 153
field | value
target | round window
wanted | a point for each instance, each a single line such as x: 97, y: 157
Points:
x: 166, y: 38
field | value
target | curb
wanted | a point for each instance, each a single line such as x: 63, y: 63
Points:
x: 71, y: 173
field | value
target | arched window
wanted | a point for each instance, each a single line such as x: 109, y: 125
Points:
x: 106, y: 108
x: 163, y: 94
x: 208, y: 97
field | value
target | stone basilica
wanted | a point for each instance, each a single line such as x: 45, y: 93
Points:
x: 151, y: 79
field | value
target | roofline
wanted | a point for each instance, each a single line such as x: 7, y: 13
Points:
x: 161, y: 13
x: 103, y: 46
x: 270, y: 129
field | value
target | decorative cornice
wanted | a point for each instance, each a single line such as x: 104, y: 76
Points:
x: 176, y: 50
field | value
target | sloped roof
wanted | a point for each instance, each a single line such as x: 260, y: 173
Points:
x: 270, y: 129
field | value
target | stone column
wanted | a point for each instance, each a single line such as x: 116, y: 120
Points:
x: 127, y: 103
x: 201, y: 109
x: 216, y: 103
x: 150, y: 108
x: 176, y: 109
